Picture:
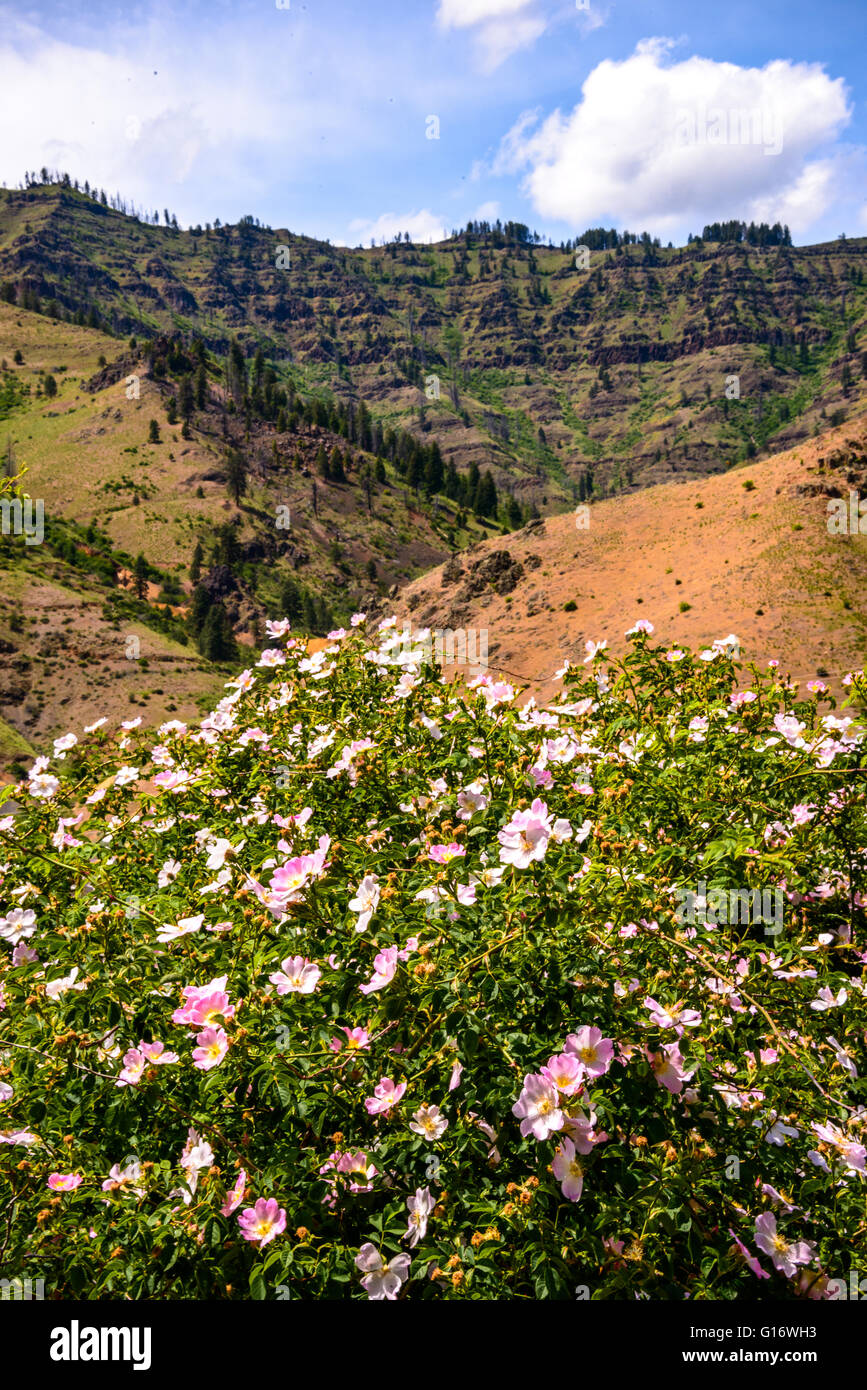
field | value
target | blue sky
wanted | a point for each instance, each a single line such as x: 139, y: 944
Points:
x: 559, y: 113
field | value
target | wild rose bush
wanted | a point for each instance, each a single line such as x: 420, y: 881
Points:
x: 377, y: 987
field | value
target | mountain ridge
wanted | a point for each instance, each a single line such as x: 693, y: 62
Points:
x: 622, y: 366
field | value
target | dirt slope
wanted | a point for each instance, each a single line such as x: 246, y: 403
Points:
x: 747, y: 552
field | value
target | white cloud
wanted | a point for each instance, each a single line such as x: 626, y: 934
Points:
x: 462, y: 14
x: 501, y: 26
x: 591, y: 19
x: 516, y: 147
x: 499, y: 41
x: 654, y: 144
x: 131, y: 111
x: 422, y: 226
x: 813, y: 191
x: 487, y: 212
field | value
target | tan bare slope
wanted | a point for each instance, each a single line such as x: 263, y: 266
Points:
x: 749, y: 551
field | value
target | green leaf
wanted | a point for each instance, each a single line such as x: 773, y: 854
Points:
x: 288, y: 1094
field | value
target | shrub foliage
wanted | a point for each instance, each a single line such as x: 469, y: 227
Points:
x: 375, y: 985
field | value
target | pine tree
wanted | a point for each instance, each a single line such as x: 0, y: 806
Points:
x: 485, y: 502
x: 199, y: 609
x: 365, y: 437
x: 186, y: 399
x: 236, y: 475
x: 337, y: 473
x: 201, y: 386
x: 153, y: 432
x: 141, y: 577
x: 323, y: 466
x: 453, y: 342
x: 227, y: 547
x: 364, y: 478
x: 452, y: 485
x: 236, y: 373
x: 471, y: 483
x: 196, y: 563
x: 416, y: 472
x: 434, y: 472
x: 172, y: 411
x: 216, y: 640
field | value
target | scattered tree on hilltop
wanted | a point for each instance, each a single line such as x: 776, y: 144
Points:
x: 236, y: 475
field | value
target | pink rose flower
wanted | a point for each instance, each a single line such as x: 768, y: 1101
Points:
x: 298, y: 976
x: 212, y: 1048
x: 262, y: 1222
x: 235, y: 1196
x: 385, y: 1097
x: 383, y: 1278
x: 538, y: 1108
x: 384, y: 966
x: 64, y: 1182
x: 594, y: 1053
x: 568, y: 1171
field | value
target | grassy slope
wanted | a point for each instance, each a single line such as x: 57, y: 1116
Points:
x: 87, y: 457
